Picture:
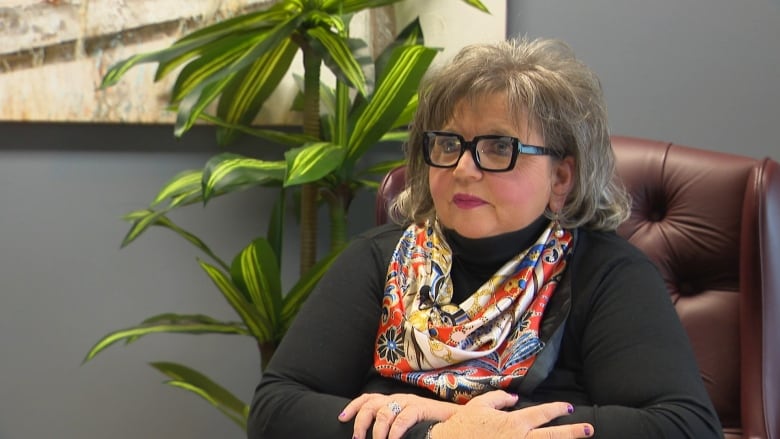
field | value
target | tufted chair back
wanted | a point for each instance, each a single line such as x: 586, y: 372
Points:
x: 711, y: 223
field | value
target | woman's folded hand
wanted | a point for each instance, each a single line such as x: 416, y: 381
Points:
x: 483, y: 416
x: 393, y: 415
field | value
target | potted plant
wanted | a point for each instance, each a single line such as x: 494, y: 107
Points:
x: 239, y: 62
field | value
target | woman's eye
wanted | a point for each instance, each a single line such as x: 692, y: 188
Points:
x: 450, y: 145
x: 498, y: 147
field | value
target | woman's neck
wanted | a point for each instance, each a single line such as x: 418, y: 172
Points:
x: 475, y: 260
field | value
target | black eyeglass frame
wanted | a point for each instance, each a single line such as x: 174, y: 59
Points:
x: 519, y: 148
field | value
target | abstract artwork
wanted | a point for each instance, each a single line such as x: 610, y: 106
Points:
x: 53, y: 54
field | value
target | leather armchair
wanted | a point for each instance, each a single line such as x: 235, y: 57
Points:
x: 711, y: 223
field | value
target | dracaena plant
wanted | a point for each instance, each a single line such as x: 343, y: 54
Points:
x: 240, y: 62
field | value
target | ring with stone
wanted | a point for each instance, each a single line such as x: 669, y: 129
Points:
x: 395, y: 408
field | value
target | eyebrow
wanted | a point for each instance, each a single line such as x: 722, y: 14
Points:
x: 489, y: 132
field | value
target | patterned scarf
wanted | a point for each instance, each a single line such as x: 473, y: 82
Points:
x: 485, y: 343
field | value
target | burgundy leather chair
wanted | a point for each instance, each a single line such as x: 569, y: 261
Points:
x: 711, y: 223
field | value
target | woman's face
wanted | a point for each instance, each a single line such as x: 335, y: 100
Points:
x: 477, y: 203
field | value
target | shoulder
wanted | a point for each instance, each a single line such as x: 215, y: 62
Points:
x: 596, y: 249
x: 382, y: 233
x: 384, y: 236
x: 363, y: 261
x: 605, y: 266
x: 379, y: 241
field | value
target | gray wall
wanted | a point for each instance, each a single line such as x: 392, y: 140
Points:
x: 699, y: 72
x: 64, y: 282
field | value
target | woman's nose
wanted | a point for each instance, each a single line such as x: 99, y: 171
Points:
x: 466, y: 166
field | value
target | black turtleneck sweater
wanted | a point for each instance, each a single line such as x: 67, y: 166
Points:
x: 623, y: 360
x: 475, y: 260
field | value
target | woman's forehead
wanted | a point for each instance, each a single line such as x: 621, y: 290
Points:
x: 517, y: 117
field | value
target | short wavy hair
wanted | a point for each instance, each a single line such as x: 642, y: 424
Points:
x: 549, y: 88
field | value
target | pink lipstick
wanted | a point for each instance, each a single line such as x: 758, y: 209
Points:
x: 465, y: 201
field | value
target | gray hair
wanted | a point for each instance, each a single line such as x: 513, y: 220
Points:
x: 562, y: 99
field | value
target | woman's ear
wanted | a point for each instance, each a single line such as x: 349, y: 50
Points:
x: 563, y: 174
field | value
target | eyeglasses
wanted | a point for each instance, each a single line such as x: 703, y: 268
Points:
x: 491, y: 152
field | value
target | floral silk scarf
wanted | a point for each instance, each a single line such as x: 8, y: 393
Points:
x: 485, y: 343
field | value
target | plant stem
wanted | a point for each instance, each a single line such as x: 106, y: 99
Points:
x: 267, y: 350
x: 338, y: 205
x: 311, y: 126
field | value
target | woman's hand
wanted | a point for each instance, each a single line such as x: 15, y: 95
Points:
x: 483, y: 415
x: 393, y: 414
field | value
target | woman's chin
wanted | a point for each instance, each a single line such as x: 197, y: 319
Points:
x: 471, y: 232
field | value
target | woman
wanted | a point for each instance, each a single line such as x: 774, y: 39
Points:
x: 503, y: 304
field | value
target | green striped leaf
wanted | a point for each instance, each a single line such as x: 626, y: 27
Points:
x: 167, y: 323
x: 260, y: 329
x: 280, y: 137
x: 195, y: 195
x: 301, y: 290
x: 269, y: 40
x: 406, y: 116
x: 193, y: 105
x: 227, y: 170
x: 395, y: 89
x: 215, y: 58
x: 247, y: 92
x: 337, y: 55
x: 164, y: 221
x: 312, y: 162
x: 207, y: 79
x: 371, y: 185
x: 165, y: 67
x: 411, y: 35
x: 321, y: 18
x: 340, y: 134
x: 477, y: 4
x: 189, y: 379
x: 395, y: 136
x: 255, y: 270
x: 184, y: 182
x: 186, y: 198
x: 350, y: 6
x: 248, y: 23
x: 142, y: 220
x: 185, y: 319
x: 191, y: 45
x: 136, y: 214
x: 180, y: 52
x: 383, y: 168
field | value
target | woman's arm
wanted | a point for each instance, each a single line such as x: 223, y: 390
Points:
x: 327, y: 353
x: 636, y: 363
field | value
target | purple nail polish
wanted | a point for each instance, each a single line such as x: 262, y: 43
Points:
x: 587, y: 431
x: 570, y: 409
x: 342, y: 414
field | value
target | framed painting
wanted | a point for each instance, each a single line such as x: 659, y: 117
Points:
x: 54, y: 53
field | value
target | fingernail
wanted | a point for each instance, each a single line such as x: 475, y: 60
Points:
x: 570, y: 409
x: 342, y: 414
x: 587, y: 430
x: 514, y: 395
